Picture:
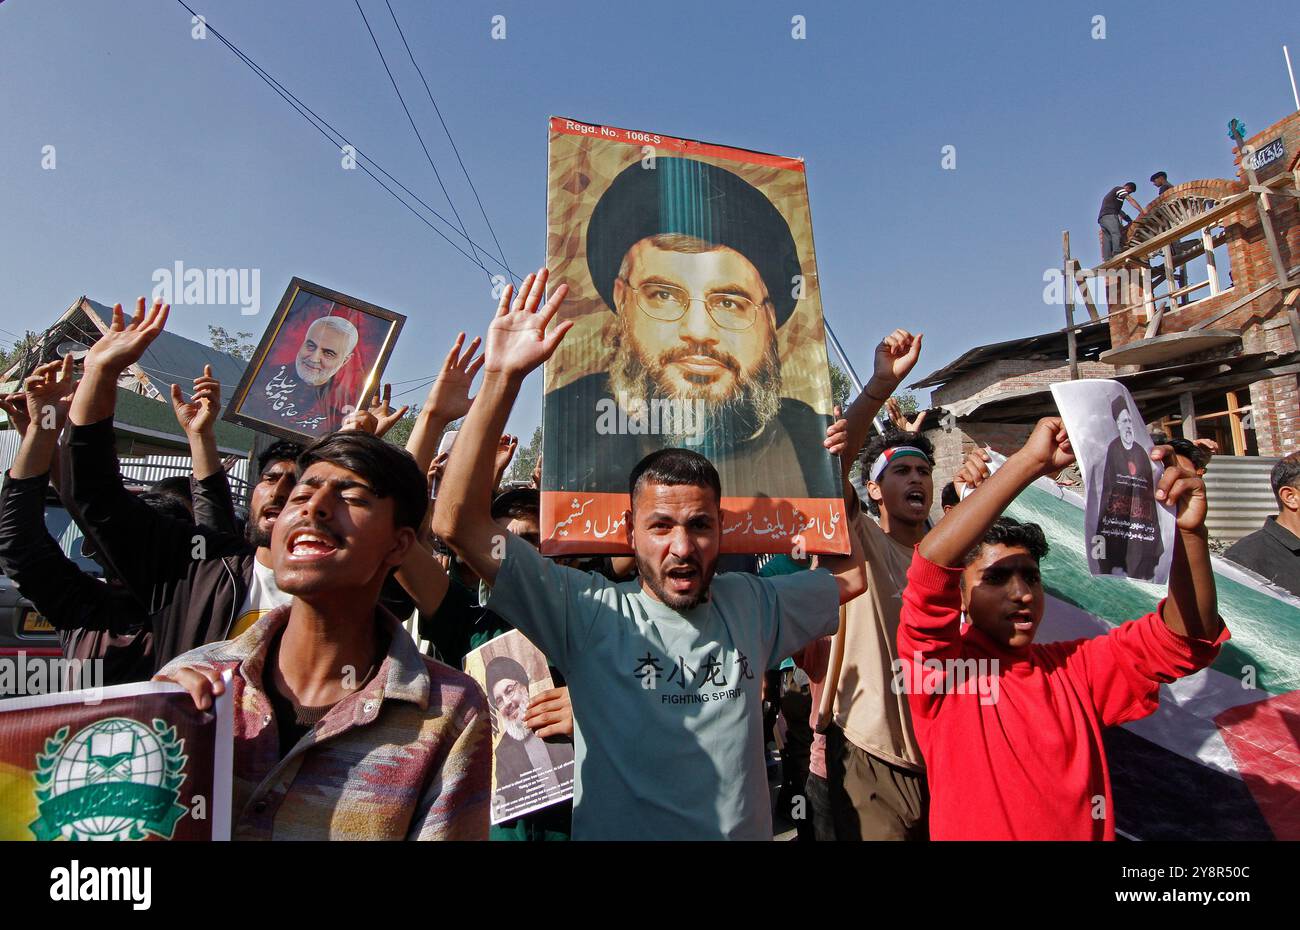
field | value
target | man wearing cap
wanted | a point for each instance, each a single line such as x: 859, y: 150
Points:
x: 701, y: 270
x: 1127, y: 522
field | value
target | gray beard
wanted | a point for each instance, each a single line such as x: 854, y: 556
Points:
x: 744, y: 413
x: 516, y: 729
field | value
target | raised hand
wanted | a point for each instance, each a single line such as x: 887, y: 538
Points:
x: 973, y: 470
x: 896, y: 356
x: 47, y: 393
x: 1048, y: 449
x: 125, y: 342
x: 381, y: 408
x: 517, y: 341
x: 449, y: 398
x: 506, y: 447
x: 1182, y: 488
x: 198, y: 415
x: 15, y: 405
x: 837, y: 434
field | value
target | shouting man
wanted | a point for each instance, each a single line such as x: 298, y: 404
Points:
x: 678, y: 650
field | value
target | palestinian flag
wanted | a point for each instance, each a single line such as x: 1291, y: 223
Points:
x: 1219, y: 760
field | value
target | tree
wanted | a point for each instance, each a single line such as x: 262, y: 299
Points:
x: 526, y: 458
x: 841, y: 387
x: 15, y: 353
x: 236, y: 345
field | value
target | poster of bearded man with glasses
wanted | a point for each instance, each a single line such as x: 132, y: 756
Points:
x: 697, y: 324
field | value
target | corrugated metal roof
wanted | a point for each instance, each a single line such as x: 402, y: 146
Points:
x: 1091, y: 339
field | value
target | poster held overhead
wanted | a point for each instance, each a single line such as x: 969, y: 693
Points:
x: 528, y: 773
x: 697, y: 324
x: 1128, y: 532
x: 321, y: 358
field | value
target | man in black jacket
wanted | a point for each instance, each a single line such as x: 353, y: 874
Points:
x: 95, y: 620
x: 200, y: 586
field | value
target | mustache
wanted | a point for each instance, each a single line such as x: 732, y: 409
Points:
x: 678, y: 563
x: 316, y: 528
x: 689, y: 349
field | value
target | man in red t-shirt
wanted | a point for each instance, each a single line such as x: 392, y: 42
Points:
x: 1011, y: 730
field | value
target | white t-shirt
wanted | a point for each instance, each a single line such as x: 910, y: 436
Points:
x: 263, y: 597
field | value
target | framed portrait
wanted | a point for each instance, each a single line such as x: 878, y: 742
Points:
x: 697, y: 324
x: 322, y: 354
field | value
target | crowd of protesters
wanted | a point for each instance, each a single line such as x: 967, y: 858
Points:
x: 344, y: 729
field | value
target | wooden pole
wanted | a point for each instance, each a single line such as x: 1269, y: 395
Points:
x: 1188, y: 408
x: 1071, y: 341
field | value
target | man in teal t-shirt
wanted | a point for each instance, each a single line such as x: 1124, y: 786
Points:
x: 664, y: 671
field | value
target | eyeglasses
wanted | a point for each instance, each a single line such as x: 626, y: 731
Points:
x: 668, y: 304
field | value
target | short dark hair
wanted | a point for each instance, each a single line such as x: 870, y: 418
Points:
x: 1159, y: 174
x: 1285, y: 474
x: 949, y: 497
x: 1187, y: 449
x: 518, y: 504
x: 282, y: 451
x: 176, y: 485
x: 390, y: 471
x: 1131, y: 184
x: 1006, y: 531
x: 887, y: 440
x: 675, y: 467
x: 167, y: 504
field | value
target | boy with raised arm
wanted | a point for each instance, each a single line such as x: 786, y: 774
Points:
x: 664, y: 671
x: 1011, y: 729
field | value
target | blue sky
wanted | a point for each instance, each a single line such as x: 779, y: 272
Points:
x: 169, y: 149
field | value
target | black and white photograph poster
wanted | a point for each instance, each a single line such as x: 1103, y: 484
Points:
x: 528, y: 772
x: 1128, y: 532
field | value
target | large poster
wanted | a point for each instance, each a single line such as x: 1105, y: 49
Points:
x: 528, y: 772
x: 1127, y: 531
x: 130, y: 762
x: 697, y: 324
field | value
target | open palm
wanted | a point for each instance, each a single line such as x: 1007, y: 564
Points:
x: 449, y: 397
x: 517, y: 341
x: 199, y: 413
x: 126, y: 341
x: 48, y: 393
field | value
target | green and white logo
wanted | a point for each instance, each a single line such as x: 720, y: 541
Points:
x: 117, y: 779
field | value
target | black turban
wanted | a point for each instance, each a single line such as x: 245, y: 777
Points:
x: 689, y: 197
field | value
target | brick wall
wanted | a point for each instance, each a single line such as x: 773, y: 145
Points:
x: 1262, y: 323
x: 1013, y: 374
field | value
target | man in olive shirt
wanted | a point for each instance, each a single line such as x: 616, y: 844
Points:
x: 875, y: 773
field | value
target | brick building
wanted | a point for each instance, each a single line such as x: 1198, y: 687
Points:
x: 1201, y: 324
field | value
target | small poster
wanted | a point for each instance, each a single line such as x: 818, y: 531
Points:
x: 130, y: 762
x: 1128, y: 533
x: 321, y: 358
x: 697, y: 317
x: 528, y: 772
